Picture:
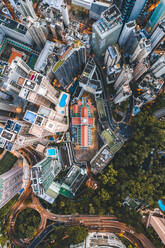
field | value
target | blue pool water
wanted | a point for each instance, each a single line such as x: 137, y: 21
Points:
x: 30, y: 116
x: 51, y: 152
x: 161, y: 205
x: 136, y: 110
x: 62, y: 102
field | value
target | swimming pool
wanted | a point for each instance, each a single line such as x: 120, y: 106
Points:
x: 161, y: 205
x: 62, y: 102
x: 51, y: 152
x: 30, y: 116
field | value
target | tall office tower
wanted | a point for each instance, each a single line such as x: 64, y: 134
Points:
x: 158, y: 68
x: 131, y: 9
x: 83, y: 3
x: 135, y: 39
x: 124, y: 78
x: 146, y: 12
x: 140, y: 69
x: 6, y: 106
x: 43, y: 175
x: 66, y: 69
x: 112, y: 56
x: 46, y: 12
x: 52, y: 113
x: 122, y: 93
x: 59, y: 5
x: 113, y: 73
x: 142, y: 50
x: 37, y: 31
x: 65, y: 15
x: 15, y: 135
x: 128, y: 28
x: 10, y: 184
x: 158, y: 34
x: 41, y: 62
x: 106, y: 31
x: 9, y: 107
x: 156, y: 17
x: 25, y: 7
x: 15, y: 30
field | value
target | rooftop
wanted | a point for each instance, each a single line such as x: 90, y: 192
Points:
x: 12, y: 24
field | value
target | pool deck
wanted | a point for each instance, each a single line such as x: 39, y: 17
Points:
x: 63, y: 110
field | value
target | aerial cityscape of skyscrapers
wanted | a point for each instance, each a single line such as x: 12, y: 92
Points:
x: 73, y: 76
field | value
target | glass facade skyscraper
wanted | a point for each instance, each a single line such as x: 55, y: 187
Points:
x: 157, y: 15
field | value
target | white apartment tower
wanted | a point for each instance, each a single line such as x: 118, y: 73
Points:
x: 52, y: 114
x: 158, y: 34
x: 125, y: 76
x: 112, y: 56
x: 128, y: 28
x: 37, y: 31
x: 10, y: 184
x: 142, y: 50
x: 158, y: 68
x: 123, y: 93
x: 106, y: 31
x: 25, y: 7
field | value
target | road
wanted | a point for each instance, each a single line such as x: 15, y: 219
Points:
x: 97, y: 224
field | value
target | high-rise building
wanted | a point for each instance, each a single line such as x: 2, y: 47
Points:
x: 51, y: 115
x: 15, y: 30
x: 97, y: 8
x: 43, y: 174
x: 128, y: 28
x: 65, y: 70
x: 112, y: 56
x: 65, y: 14
x: 15, y: 135
x: 41, y: 62
x: 158, y: 68
x: 158, y: 34
x: 106, y: 31
x: 123, y: 93
x: 10, y: 184
x: 156, y: 16
x: 140, y: 69
x: 83, y: 3
x: 26, y: 8
x: 38, y: 31
x: 59, y: 5
x: 124, y: 77
x: 147, y: 11
x: 73, y: 180
x: 131, y: 9
x: 142, y: 50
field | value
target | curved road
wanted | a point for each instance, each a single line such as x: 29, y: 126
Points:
x: 93, y: 223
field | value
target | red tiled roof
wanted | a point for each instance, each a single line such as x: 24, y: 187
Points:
x: 14, y: 54
x: 84, y: 121
x: 91, y: 121
x: 84, y: 136
x: 76, y: 121
x: 75, y: 109
x: 84, y: 112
